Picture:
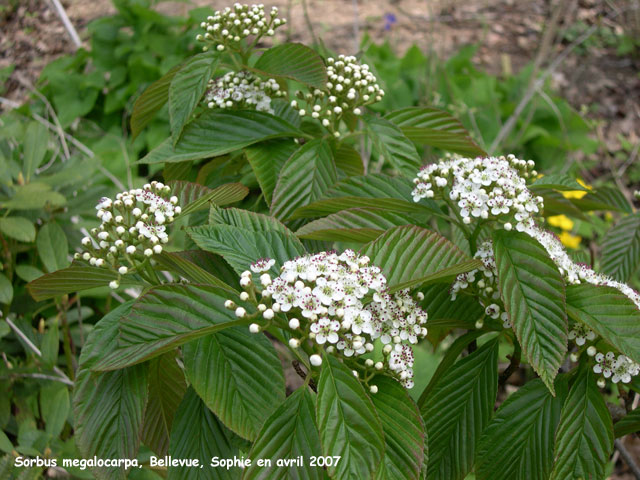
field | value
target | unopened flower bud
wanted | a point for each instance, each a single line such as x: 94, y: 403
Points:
x: 316, y: 360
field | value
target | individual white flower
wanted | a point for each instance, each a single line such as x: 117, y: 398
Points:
x: 581, y: 333
x: 604, y: 364
x: 262, y: 265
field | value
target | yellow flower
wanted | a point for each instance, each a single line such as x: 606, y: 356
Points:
x: 560, y: 221
x: 577, y: 193
x: 570, y: 241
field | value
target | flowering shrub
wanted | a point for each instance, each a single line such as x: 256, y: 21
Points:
x: 282, y: 233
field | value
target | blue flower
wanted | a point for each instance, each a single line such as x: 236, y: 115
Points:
x: 389, y: 20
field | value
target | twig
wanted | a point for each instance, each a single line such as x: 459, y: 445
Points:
x: 301, y: 373
x: 67, y: 23
x: 626, y: 456
x: 514, y: 363
x: 36, y: 350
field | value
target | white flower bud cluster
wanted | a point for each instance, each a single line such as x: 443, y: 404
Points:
x: 323, y: 298
x: 618, y: 369
x: 229, y: 26
x: 242, y: 90
x: 350, y: 86
x: 483, y: 188
x: 133, y: 228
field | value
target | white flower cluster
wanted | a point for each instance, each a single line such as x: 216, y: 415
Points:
x: 229, y: 26
x: 324, y: 297
x: 483, y: 188
x: 619, y: 369
x: 242, y: 90
x: 350, y: 86
x: 133, y: 228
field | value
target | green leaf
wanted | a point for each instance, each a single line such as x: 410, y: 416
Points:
x: 446, y: 275
x: 533, y: 294
x: 55, y: 407
x: 518, y: 443
x: 288, y: 433
x: 19, y: 228
x: 50, y: 345
x: 409, y: 253
x: 267, y: 159
x: 457, y: 411
x: 557, y: 181
x: 630, y: 423
x: 348, y: 424
x: 72, y: 279
x: 305, y: 177
x: 28, y: 273
x: 186, y: 89
x: 197, y: 433
x: 354, y: 225
x: 53, y: 248
x: 166, y: 317
x: 215, y: 133
x: 394, y: 147
x: 404, y: 431
x: 193, y: 197
x: 584, y: 437
x: 609, y: 313
x: 348, y: 160
x: 436, y: 128
x: 605, y: 198
x: 167, y: 386
x: 621, y: 248
x: 179, y: 262
x: 36, y: 140
x: 294, y: 61
x: 238, y: 375
x: 5, y: 444
x: 108, y: 413
x: 152, y: 99
x: 33, y: 196
x: 6, y: 290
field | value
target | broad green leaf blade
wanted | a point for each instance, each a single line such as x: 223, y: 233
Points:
x: 533, y: 294
x: 584, y: 438
x: 186, y: 89
x: 409, y: 253
x: 108, y: 412
x: 621, y: 248
x: 305, y: 177
x: 436, y: 128
x: 457, y: 410
x: 348, y: 160
x: 328, y: 206
x: 446, y: 275
x: 152, y: 99
x: 354, y: 225
x: 605, y: 198
x: 73, y: 279
x: 557, y: 181
x: 33, y: 196
x: 215, y: 133
x: 198, y: 434
x: 295, y: 61
x: 348, y: 423
x: 609, y: 313
x: 20, y: 228
x: 267, y: 159
x: 628, y: 424
x: 167, y: 386
x: 179, y: 262
x: 404, y: 431
x: 238, y: 375
x: 193, y: 197
x: 518, y: 443
x: 166, y: 317
x: 53, y: 248
x: 36, y: 141
x: 54, y: 406
x: 394, y: 146
x: 290, y: 432
x: 6, y: 290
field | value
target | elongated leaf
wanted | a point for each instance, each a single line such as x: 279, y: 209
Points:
x: 267, y: 159
x: 394, y: 146
x: 348, y: 160
x: 6, y: 290
x: 239, y: 377
x: 167, y: 386
x: 53, y: 248
x: 458, y: 409
x: 295, y: 61
x: 20, y: 228
x: 609, y: 313
x: 108, y: 410
x: 178, y: 263
x: 533, y: 294
x: 33, y: 196
x: 408, y: 253
x: 252, y: 221
x: 436, y: 128
x: 288, y: 433
x: 186, y: 89
x: 446, y: 275
x: 404, y: 431
x: 628, y: 424
x: 54, y: 406
x: 584, y: 438
x: 348, y: 424
x: 198, y: 434
x: 36, y: 141
x: 152, y: 99
x: 72, y: 279
x: 605, y: 198
x: 166, y: 317
x: 193, y: 197
x: 621, y: 248
x: 333, y: 205
x: 518, y: 443
x: 354, y: 225
x: 557, y: 182
x: 216, y: 133
x: 306, y: 176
